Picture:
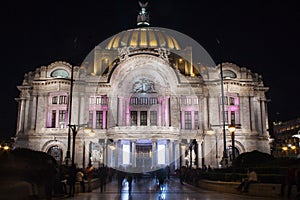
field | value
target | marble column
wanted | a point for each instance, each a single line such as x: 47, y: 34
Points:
x: 154, y: 153
x: 33, y: 112
x: 166, y: 109
x: 104, y: 119
x: 21, y: 115
x: 117, y: 153
x: 199, y: 156
x: 105, y: 153
x: 176, y: 154
x: 159, y: 114
x: 171, y: 155
x: 133, y: 153
x: 82, y: 110
x: 127, y: 110
x: 182, y: 149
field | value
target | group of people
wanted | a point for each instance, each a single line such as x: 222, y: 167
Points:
x: 79, y: 175
x: 292, y: 177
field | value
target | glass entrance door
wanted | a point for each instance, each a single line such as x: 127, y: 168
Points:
x: 144, y: 155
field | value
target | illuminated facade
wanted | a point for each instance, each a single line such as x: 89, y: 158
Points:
x: 148, y: 102
x: 286, y: 139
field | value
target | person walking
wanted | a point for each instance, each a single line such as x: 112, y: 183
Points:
x: 90, y: 175
x: 161, y: 176
x: 80, y: 179
x: 120, y: 177
x: 289, y: 181
x: 102, y: 178
x: 129, y: 180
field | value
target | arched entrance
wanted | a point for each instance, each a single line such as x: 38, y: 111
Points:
x: 236, y: 153
x: 57, y: 153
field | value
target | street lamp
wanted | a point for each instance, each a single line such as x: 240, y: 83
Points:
x: 231, y: 129
x: 224, y: 159
x: 70, y: 117
x: 75, y: 128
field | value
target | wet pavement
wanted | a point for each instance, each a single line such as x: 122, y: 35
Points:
x: 147, y: 189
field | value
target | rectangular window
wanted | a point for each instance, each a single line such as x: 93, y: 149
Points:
x: 153, y: 118
x: 63, y: 100
x: 195, y: 101
x: 62, y: 116
x: 54, y: 100
x: 143, y: 118
x: 92, y: 100
x: 98, y: 100
x: 53, y: 119
x: 104, y: 100
x: 99, y: 119
x: 232, y: 117
x: 153, y: 100
x: 188, y: 119
x: 90, y: 122
x: 143, y: 100
x: 231, y: 100
x: 133, y: 100
x: 183, y: 101
x: 226, y: 116
x: 196, y: 119
x: 189, y: 101
x: 161, y: 154
x: 133, y: 118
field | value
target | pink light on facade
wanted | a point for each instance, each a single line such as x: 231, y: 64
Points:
x: 236, y: 101
x: 233, y: 108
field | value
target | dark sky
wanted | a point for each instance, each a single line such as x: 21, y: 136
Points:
x: 262, y: 36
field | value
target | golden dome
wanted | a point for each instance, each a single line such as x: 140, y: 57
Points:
x: 143, y: 38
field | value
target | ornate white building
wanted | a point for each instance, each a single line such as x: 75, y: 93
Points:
x: 149, y: 100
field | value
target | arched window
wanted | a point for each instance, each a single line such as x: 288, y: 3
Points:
x: 229, y: 74
x: 59, y: 73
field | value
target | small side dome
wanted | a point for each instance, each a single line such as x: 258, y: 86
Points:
x: 145, y: 37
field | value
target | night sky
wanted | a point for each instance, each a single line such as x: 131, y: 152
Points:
x: 262, y: 36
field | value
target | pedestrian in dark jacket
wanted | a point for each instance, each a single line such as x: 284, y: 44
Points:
x: 72, y: 180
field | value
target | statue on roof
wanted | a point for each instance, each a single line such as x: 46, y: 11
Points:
x: 143, y: 17
x: 143, y: 5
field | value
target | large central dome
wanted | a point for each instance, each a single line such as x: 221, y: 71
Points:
x: 145, y: 37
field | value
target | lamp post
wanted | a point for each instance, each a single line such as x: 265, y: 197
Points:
x: 224, y: 159
x: 231, y: 129
x: 70, y: 118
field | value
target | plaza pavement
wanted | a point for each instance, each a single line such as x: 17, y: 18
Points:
x: 147, y: 189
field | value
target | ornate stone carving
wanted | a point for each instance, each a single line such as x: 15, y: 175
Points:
x: 163, y: 53
x: 143, y: 86
x: 124, y: 52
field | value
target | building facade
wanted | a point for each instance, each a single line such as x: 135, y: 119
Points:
x: 149, y: 101
x: 286, y: 138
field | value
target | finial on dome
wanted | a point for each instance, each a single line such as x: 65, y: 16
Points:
x: 143, y: 16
